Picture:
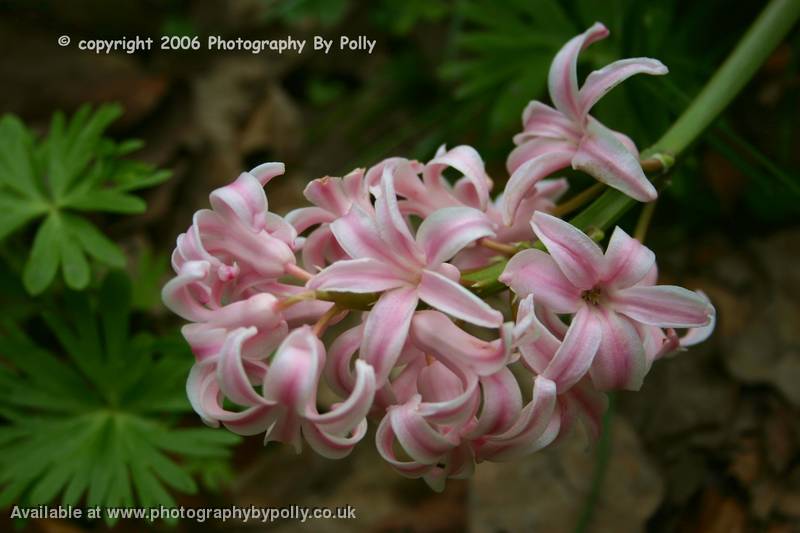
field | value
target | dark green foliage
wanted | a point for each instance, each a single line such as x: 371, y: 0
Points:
x: 72, y: 171
x: 99, y: 423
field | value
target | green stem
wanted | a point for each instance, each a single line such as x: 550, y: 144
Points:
x: 764, y: 35
x: 602, y: 457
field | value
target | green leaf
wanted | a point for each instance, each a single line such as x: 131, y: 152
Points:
x: 70, y: 147
x: 16, y: 212
x: 91, y: 426
x: 109, y: 201
x: 42, y: 264
x: 94, y: 242
x: 16, y: 160
x: 74, y: 168
x: 73, y: 263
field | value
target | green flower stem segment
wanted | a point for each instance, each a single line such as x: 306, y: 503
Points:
x: 764, y: 35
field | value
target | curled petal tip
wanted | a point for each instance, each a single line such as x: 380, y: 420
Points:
x: 266, y: 171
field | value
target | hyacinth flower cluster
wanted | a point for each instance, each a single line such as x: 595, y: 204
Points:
x: 361, y: 296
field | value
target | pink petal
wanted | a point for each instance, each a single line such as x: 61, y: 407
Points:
x: 602, y: 155
x: 278, y: 227
x: 627, y: 260
x: 332, y: 446
x: 574, y: 357
x: 392, y: 226
x: 305, y: 217
x: 697, y: 335
x: 204, y: 341
x: 419, y: 440
x: 372, y: 179
x: 446, y: 295
x: 286, y: 428
x: 317, y: 248
x: 447, y: 231
x: 533, y: 148
x: 244, y: 199
x: 386, y: 330
x: 259, y: 310
x: 266, y: 171
x: 449, y: 398
x: 620, y: 362
x: 538, y: 349
x: 178, y: 297
x: 337, y: 369
x: 357, y: 233
x: 347, y: 416
x: 535, y: 272
x: 384, y: 442
x: 233, y: 242
x: 665, y: 306
x: 522, y: 438
x: 295, y: 370
x: 466, y: 160
x: 204, y: 395
x: 357, y: 275
x: 541, y: 120
x: 328, y: 194
x: 552, y: 189
x: 562, y: 79
x: 502, y: 403
x: 599, y: 82
x: 233, y: 380
x: 578, y: 256
x: 434, y: 333
x: 354, y: 186
x: 524, y: 179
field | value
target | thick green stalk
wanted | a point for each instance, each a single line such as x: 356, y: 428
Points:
x: 764, y: 35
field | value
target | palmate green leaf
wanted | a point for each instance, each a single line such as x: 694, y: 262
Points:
x: 91, y: 426
x: 15, y: 212
x: 73, y: 170
x: 94, y: 242
x: 16, y: 158
x: 42, y: 264
x: 71, y: 145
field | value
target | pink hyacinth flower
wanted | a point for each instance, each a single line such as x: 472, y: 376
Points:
x: 387, y: 259
x: 423, y: 189
x: 286, y: 411
x: 538, y: 345
x: 332, y: 198
x: 555, y: 138
x: 424, y: 195
x: 601, y: 292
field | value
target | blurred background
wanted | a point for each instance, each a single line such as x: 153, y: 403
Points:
x: 91, y: 366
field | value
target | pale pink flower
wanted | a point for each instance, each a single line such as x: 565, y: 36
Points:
x: 602, y: 293
x: 423, y: 189
x: 538, y: 345
x: 422, y: 195
x: 444, y: 427
x: 553, y: 139
x: 332, y: 198
x: 239, y: 236
x: 387, y: 259
x: 286, y: 410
